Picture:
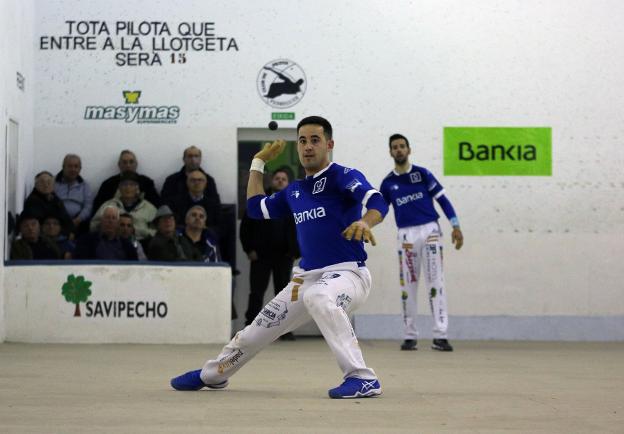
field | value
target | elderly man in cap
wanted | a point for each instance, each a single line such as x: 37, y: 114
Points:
x: 130, y: 200
x: 167, y: 244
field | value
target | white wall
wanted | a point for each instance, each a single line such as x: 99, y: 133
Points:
x: 535, y: 247
x: 16, y: 38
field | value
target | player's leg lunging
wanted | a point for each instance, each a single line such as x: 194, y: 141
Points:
x: 281, y: 315
x: 328, y: 302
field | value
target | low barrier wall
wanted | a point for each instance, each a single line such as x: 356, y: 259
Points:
x: 96, y: 302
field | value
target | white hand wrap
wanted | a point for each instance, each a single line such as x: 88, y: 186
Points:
x: 257, y: 164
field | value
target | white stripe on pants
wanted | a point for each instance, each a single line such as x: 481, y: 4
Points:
x: 326, y: 295
x: 422, y: 246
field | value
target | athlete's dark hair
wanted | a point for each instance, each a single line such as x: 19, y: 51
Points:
x: 396, y: 137
x: 317, y: 120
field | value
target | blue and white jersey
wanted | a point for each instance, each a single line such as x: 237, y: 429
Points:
x: 411, y: 194
x: 323, y: 206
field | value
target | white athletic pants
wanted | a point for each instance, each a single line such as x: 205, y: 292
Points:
x: 422, y: 246
x: 326, y: 295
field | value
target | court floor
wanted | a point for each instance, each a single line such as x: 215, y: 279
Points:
x: 491, y: 386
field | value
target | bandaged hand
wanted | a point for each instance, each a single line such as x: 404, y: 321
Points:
x: 271, y: 150
x: 359, y: 231
x: 457, y: 238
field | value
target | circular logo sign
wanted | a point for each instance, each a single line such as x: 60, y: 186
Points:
x: 281, y: 83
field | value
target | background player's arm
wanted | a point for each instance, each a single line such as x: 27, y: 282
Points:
x: 457, y: 237
x: 437, y: 192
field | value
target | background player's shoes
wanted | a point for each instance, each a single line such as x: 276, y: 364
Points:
x: 356, y: 388
x: 409, y: 345
x: 441, y: 345
x: 192, y: 381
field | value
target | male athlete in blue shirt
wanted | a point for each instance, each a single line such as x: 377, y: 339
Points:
x: 331, y: 279
x: 411, y: 190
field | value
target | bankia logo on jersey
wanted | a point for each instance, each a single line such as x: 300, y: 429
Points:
x: 409, y: 198
x: 310, y: 214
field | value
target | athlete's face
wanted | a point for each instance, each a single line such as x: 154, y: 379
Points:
x: 399, y: 151
x: 313, y: 148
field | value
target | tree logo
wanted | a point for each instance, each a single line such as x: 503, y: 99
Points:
x: 76, y: 290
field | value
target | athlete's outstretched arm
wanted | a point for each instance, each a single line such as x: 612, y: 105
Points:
x: 359, y: 189
x: 360, y: 230
x: 255, y: 185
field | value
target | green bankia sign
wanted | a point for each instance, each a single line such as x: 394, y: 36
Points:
x: 505, y: 151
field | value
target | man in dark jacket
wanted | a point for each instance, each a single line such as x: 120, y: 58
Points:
x: 127, y: 163
x: 202, y: 238
x: 106, y: 244
x: 195, y: 194
x: 175, y: 184
x: 271, y: 246
x: 43, y: 202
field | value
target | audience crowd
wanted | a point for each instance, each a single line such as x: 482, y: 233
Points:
x: 126, y: 220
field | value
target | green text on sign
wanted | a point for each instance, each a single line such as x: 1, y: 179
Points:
x: 282, y: 116
x: 505, y: 151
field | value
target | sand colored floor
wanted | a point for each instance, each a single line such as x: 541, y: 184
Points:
x: 481, y: 387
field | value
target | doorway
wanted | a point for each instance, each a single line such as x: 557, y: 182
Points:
x: 250, y: 141
x: 11, y: 146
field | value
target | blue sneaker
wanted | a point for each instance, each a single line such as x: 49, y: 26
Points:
x: 356, y: 388
x: 192, y: 381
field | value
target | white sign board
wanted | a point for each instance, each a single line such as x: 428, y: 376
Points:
x: 77, y: 303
